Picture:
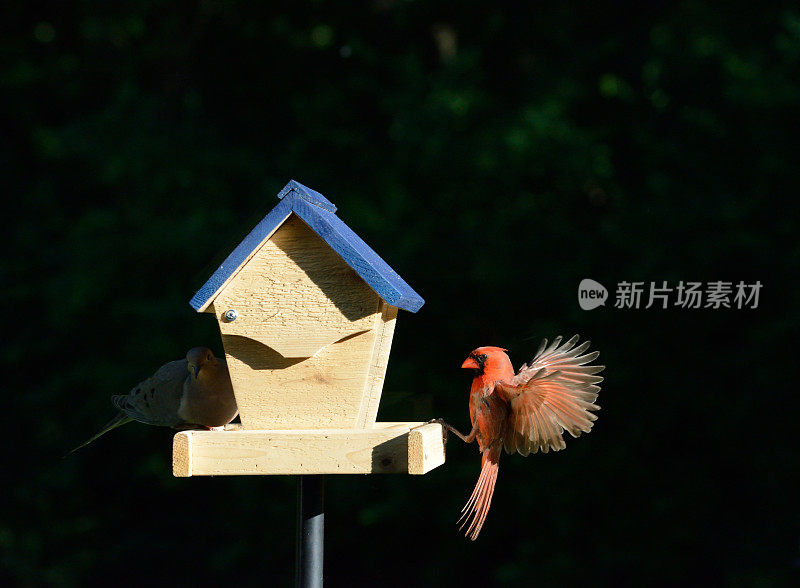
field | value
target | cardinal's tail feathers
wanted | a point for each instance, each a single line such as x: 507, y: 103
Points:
x: 117, y: 421
x: 474, y: 512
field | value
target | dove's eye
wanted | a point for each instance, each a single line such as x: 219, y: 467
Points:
x: 208, y: 357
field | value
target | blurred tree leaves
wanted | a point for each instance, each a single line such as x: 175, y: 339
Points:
x: 494, y: 155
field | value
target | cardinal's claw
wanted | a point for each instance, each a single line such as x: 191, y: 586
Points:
x: 442, y: 424
x: 448, y: 427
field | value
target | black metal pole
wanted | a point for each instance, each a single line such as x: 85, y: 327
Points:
x: 310, y: 548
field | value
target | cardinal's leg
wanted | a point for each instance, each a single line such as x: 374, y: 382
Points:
x: 448, y: 427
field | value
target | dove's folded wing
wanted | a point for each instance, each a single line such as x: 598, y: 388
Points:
x: 156, y: 400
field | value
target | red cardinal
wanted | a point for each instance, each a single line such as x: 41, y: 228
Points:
x: 526, y: 412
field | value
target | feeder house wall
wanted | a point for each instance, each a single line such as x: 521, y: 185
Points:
x: 311, y: 340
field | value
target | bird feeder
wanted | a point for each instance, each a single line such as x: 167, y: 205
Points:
x: 307, y: 312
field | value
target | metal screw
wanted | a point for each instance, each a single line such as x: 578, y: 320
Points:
x: 230, y: 315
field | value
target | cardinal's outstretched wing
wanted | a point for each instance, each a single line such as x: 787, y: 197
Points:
x: 556, y: 391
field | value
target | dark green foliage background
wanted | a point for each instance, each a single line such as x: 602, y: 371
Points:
x: 495, y: 154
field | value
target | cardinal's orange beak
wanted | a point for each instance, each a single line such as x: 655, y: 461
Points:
x: 470, y: 364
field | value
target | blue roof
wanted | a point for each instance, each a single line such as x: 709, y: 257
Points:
x: 319, y: 213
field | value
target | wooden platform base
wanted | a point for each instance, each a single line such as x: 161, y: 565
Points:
x: 387, y: 448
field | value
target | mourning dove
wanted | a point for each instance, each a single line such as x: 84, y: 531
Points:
x: 195, y: 392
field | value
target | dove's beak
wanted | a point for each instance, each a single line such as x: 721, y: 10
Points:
x: 195, y: 369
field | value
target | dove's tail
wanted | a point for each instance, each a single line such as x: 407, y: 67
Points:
x: 117, y: 421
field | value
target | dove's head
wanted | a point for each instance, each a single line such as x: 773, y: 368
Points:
x: 197, y: 357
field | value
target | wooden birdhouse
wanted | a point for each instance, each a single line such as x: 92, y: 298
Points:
x: 307, y: 312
